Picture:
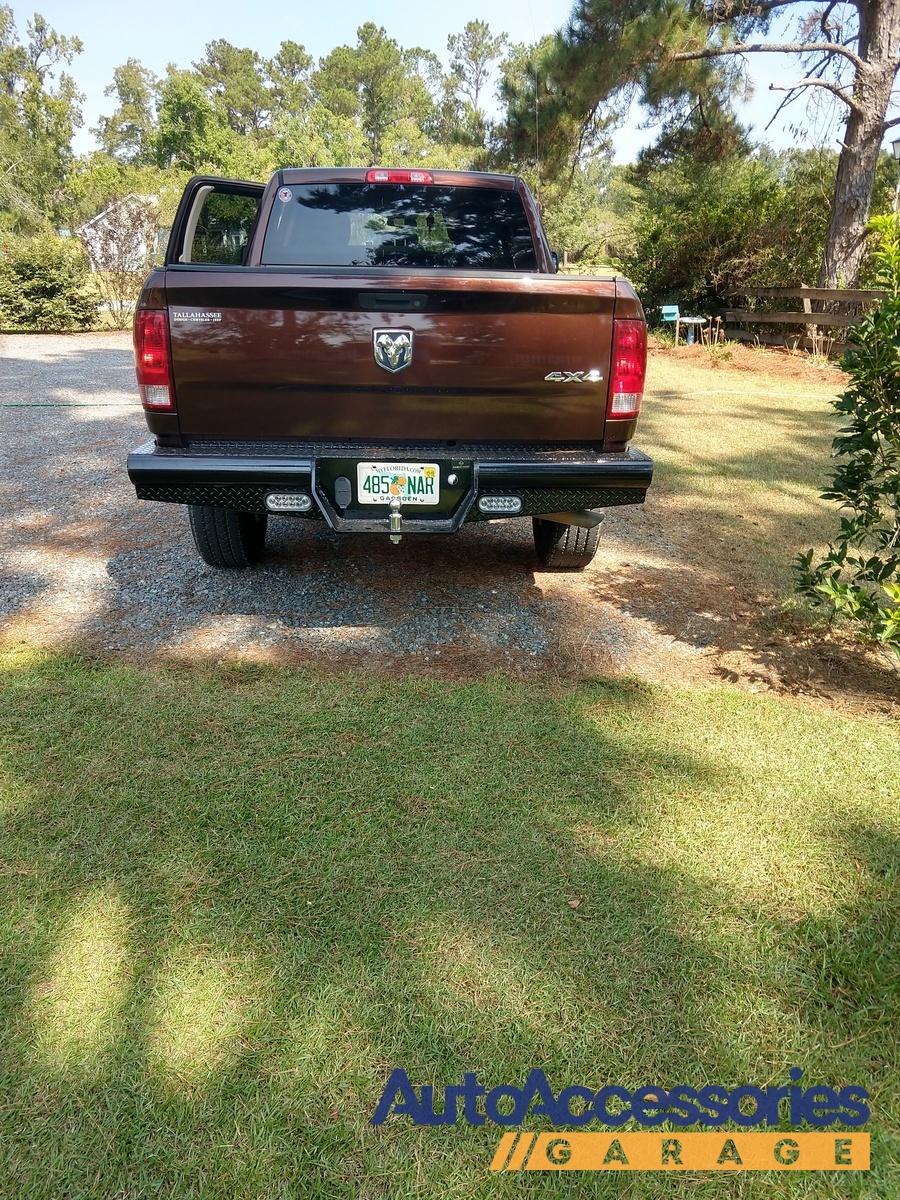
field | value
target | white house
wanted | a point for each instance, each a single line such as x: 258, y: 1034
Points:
x: 125, y: 236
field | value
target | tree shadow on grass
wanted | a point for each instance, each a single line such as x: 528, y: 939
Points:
x: 235, y: 902
x: 710, y: 564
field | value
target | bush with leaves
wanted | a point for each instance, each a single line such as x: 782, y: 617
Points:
x: 43, y: 286
x: 702, y: 229
x: 859, y: 576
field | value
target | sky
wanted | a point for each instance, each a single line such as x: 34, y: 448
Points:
x: 174, y: 31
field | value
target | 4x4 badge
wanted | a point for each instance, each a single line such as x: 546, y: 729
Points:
x: 393, y: 348
x: 592, y: 376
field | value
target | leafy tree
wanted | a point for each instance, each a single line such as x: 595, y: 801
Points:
x: 377, y: 84
x: 572, y: 202
x: 319, y: 137
x: 128, y: 134
x: 786, y: 247
x: 38, y: 115
x: 579, y: 219
x: 859, y: 575
x: 236, y: 80
x: 96, y: 180
x: 678, y: 57
x: 694, y: 225
x: 93, y: 181
x: 246, y: 158
x: 191, y: 133
x: 537, y: 137
x: 474, y: 52
x: 289, y: 72
x: 517, y: 140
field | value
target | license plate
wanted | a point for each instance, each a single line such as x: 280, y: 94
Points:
x: 410, y: 483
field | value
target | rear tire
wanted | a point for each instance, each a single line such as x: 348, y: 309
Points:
x: 226, y: 538
x: 564, y: 547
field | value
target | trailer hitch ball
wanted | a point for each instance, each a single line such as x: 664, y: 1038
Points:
x: 395, y: 520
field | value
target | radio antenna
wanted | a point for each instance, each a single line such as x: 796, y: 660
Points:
x: 537, y: 133
x: 537, y: 140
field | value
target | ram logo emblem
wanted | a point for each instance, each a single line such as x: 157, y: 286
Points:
x: 393, y: 348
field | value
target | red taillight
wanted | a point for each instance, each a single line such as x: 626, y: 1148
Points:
x: 382, y: 175
x: 153, y: 359
x: 629, y: 366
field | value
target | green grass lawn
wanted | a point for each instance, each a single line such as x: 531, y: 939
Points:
x: 233, y: 900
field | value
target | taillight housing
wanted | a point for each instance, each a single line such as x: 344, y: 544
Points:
x: 153, y: 359
x: 629, y: 368
x: 386, y: 175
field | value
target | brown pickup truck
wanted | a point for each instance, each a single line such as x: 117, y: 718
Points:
x: 389, y: 351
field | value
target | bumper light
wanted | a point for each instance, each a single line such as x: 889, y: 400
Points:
x: 288, y: 502
x: 499, y: 504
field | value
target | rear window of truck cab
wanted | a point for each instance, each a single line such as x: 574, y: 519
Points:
x: 391, y: 225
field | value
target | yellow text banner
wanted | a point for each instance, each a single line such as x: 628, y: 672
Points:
x: 685, y: 1152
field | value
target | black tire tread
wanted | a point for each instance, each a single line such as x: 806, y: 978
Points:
x: 564, y: 547
x: 226, y: 538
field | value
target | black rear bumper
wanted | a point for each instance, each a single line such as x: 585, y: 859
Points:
x: 240, y: 475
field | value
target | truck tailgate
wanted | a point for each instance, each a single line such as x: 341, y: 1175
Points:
x: 283, y: 352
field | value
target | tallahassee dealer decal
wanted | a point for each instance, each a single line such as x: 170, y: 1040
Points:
x: 198, y: 316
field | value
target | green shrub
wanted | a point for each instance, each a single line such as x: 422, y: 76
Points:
x: 859, y: 576
x: 702, y: 229
x: 43, y: 286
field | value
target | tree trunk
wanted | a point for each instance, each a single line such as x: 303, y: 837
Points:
x: 879, y: 45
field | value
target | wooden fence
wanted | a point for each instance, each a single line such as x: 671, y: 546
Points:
x: 835, y: 309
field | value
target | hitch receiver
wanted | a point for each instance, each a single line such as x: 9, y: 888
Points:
x: 396, y: 520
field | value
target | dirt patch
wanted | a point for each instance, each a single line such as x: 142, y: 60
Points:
x: 750, y: 642
x: 764, y: 362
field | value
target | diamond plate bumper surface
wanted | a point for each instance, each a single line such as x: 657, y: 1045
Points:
x: 239, y: 476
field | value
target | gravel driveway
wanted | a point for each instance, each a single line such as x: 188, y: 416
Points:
x: 86, y: 564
